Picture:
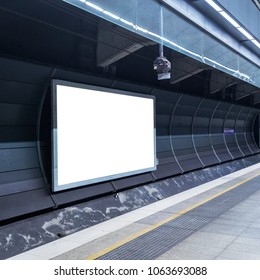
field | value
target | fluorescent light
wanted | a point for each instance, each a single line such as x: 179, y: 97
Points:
x: 257, y: 3
x: 111, y: 15
x: 230, y: 19
x: 256, y: 43
x: 244, y: 32
x: 141, y: 29
x: 126, y: 22
x: 214, y: 5
x: 94, y: 6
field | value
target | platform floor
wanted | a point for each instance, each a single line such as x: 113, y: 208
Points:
x: 217, y: 220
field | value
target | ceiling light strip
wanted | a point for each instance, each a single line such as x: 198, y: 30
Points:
x: 232, y: 21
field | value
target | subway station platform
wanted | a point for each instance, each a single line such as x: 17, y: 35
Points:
x: 216, y: 220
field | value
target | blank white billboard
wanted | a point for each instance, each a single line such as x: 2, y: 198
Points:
x: 100, y: 134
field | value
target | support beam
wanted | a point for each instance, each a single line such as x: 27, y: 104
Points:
x: 244, y: 90
x: 115, y: 43
x: 184, y: 68
x: 256, y: 96
x: 220, y: 81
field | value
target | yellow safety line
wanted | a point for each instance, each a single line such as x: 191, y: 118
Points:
x: 150, y: 228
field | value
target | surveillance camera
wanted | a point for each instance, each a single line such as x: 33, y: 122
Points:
x: 163, y: 67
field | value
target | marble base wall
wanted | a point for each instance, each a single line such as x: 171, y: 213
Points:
x: 29, y: 233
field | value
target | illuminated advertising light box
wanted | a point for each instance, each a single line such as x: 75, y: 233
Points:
x: 99, y: 134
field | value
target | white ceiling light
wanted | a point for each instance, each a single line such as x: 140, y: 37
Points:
x: 229, y: 18
x: 214, y: 5
x: 257, y: 3
x: 256, y: 43
x: 232, y: 21
x: 244, y: 32
x: 94, y: 6
x: 111, y: 15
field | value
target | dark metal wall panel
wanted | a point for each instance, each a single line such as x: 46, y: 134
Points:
x: 182, y: 141
x: 130, y: 87
x: 14, y: 134
x: 230, y: 133
x: 167, y: 161
x: 24, y: 72
x: 189, y: 135
x: 167, y: 170
x: 20, y: 175
x: 217, y: 132
x: 249, y: 131
x: 22, y: 203
x: 17, y: 114
x: 20, y: 186
x: 21, y: 181
x: 240, y: 131
x: 132, y: 181
x: 201, y: 134
x: 257, y: 130
x: 243, y: 145
x: 83, y: 193
x: 18, y: 159
x: 162, y: 120
x: 20, y: 93
x: 86, y: 79
x: 164, y: 152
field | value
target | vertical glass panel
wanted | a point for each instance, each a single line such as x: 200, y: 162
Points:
x: 219, y: 56
x: 122, y: 13
x: 144, y: 18
x: 251, y: 71
x: 180, y: 35
x: 148, y: 17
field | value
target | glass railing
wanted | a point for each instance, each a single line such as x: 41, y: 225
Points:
x: 161, y: 24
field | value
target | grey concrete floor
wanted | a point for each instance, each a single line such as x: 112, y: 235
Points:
x: 234, y: 235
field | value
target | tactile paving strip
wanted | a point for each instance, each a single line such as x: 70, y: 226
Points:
x: 153, y: 244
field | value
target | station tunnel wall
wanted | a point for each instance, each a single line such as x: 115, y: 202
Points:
x: 191, y: 133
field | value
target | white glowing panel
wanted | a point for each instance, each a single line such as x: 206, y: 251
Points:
x: 100, y: 134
